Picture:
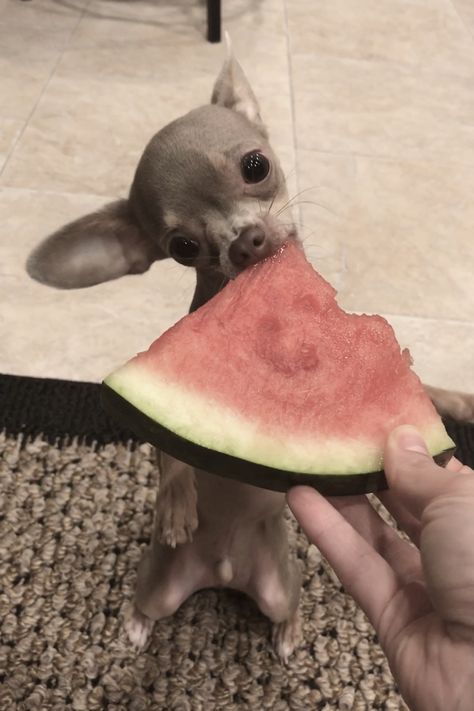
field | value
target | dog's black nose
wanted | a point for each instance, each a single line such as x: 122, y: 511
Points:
x: 249, y: 247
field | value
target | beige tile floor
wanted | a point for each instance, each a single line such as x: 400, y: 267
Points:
x: 370, y: 103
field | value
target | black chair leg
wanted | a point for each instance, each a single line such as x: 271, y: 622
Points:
x: 214, y: 20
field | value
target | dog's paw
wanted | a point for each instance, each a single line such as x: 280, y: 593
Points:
x: 464, y: 412
x: 458, y: 406
x: 137, y: 627
x: 176, y: 516
x: 286, y: 636
x: 176, y: 527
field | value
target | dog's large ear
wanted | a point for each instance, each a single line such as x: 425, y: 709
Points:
x: 104, y: 245
x: 232, y: 90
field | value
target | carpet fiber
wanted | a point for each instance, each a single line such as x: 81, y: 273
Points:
x: 75, y: 513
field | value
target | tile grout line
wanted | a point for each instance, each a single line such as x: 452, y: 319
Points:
x: 462, y: 20
x: 385, y: 158
x: 387, y: 63
x: 41, y: 94
x: 292, y: 103
x: 51, y: 191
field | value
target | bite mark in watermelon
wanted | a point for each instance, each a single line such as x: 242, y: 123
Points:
x: 273, y: 383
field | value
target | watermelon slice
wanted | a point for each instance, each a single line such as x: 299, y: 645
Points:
x: 272, y: 383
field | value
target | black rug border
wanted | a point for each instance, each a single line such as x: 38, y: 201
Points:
x: 59, y: 411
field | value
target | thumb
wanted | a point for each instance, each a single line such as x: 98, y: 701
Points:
x: 411, y: 472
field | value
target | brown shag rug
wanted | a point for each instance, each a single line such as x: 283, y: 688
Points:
x: 76, y: 511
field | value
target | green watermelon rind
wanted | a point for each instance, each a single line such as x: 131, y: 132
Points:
x: 203, y: 434
x: 235, y: 468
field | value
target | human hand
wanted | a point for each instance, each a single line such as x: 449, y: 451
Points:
x: 419, y: 598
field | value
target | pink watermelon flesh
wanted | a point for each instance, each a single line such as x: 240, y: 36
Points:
x: 273, y: 371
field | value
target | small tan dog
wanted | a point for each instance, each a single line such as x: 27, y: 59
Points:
x: 206, y: 192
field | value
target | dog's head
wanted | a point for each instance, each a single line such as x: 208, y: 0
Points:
x: 206, y: 192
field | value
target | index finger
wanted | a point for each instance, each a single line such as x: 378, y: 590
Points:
x: 363, y: 572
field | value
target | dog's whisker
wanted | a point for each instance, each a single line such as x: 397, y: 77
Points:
x: 293, y: 223
x: 305, y: 239
x: 271, y: 204
x: 290, y: 200
x: 315, y: 204
x: 309, y: 189
x: 223, y: 283
x: 319, y: 252
x: 289, y: 203
x: 284, y: 207
x: 312, y: 202
x: 300, y: 192
x: 290, y: 173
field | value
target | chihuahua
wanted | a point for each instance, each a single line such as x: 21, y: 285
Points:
x: 207, y: 192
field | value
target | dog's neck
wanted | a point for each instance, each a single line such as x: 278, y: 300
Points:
x: 208, y: 283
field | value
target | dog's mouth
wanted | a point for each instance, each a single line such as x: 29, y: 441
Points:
x: 254, y: 244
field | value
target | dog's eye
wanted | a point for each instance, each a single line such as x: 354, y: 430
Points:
x: 255, y: 167
x: 183, y: 249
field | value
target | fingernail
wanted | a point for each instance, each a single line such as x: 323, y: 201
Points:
x: 409, y: 439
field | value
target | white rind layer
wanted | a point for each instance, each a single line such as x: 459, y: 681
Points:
x: 212, y: 425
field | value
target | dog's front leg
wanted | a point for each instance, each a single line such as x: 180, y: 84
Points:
x: 167, y: 575
x: 176, y: 503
